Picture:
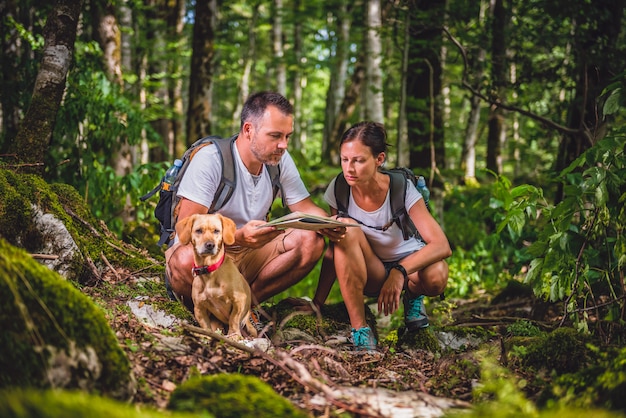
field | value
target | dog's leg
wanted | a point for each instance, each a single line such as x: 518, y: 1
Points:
x: 202, y: 316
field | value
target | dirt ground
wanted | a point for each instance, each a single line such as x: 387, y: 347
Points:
x: 304, y: 368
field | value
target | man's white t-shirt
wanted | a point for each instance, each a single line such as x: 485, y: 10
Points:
x: 252, y: 197
x: 388, y: 245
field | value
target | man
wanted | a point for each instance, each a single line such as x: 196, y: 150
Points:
x: 270, y: 259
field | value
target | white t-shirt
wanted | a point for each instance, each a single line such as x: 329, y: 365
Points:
x: 250, y: 200
x: 388, y: 245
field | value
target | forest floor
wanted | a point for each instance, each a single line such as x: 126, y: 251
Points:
x: 318, y: 373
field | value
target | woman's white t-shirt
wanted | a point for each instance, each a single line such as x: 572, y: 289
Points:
x: 252, y: 197
x: 388, y: 245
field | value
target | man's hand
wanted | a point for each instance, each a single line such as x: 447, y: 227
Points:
x: 252, y: 237
x: 389, y: 297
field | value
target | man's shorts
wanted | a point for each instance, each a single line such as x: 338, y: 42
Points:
x: 251, y: 261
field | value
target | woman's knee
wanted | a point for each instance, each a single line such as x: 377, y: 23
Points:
x: 433, y: 279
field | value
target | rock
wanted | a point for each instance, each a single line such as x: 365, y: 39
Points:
x: 53, y: 336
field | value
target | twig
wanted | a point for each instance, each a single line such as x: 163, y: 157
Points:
x: 84, y: 222
x: 106, y: 261
x: 119, y: 249
x: 297, y: 371
x: 45, y: 256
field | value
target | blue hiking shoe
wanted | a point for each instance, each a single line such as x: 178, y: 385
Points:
x: 363, y: 339
x: 414, y: 312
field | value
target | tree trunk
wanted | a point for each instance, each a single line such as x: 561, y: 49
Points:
x: 201, y: 72
x: 498, y: 77
x: 468, y: 156
x: 279, y: 54
x: 347, y: 108
x: 299, y: 136
x: 595, y: 68
x: 33, y: 137
x: 338, y: 75
x: 402, y: 144
x: 249, y: 59
x: 424, y: 116
x: 373, y: 103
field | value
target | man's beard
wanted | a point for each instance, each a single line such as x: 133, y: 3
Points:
x: 272, y: 159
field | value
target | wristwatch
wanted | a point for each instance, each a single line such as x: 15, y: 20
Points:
x: 401, y: 269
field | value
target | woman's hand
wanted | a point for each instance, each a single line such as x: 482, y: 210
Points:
x: 333, y: 234
x: 389, y: 297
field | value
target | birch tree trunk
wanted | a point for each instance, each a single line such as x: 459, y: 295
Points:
x: 249, y: 59
x: 338, y: 76
x: 279, y: 54
x: 373, y: 103
x: 468, y: 156
x: 402, y: 144
x: 299, y: 136
x: 33, y: 137
x: 201, y: 72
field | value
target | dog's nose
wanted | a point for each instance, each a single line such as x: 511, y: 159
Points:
x: 209, y: 247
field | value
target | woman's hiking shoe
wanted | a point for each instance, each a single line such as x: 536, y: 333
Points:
x: 363, y: 339
x: 414, y: 312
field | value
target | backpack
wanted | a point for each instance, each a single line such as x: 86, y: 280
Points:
x: 397, y: 191
x: 166, y: 210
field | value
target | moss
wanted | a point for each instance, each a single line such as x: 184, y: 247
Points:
x: 423, y: 339
x: 231, y: 395
x: 20, y: 192
x: 563, y: 350
x: 53, y: 404
x: 44, y: 317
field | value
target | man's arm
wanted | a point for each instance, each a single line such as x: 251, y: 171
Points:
x: 188, y: 208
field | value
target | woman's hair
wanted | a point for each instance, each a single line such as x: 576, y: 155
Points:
x: 371, y: 134
x: 255, y: 106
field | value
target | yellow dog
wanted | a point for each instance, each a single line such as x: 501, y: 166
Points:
x: 220, y: 293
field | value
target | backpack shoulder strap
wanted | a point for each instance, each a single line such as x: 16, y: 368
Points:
x: 229, y: 173
x: 342, y: 195
x: 274, y: 172
x: 397, y: 197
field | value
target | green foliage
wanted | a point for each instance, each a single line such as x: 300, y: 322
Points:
x: 579, y: 246
x: 231, y: 395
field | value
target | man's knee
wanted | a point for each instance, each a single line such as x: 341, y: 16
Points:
x: 310, y: 246
x: 178, y: 265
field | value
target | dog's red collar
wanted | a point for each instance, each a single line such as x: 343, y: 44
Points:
x: 197, y: 271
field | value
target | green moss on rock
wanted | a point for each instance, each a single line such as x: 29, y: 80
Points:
x: 563, y: 350
x: 231, y: 395
x: 53, y: 335
x: 18, y: 403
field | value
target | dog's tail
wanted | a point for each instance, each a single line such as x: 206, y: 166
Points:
x: 251, y: 322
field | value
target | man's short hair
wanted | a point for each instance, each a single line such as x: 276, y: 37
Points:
x: 255, y: 106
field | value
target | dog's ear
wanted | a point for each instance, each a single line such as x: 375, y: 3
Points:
x: 183, y: 229
x: 228, y: 230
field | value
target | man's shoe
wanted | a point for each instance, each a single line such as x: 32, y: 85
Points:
x: 255, y: 319
x: 363, y: 339
x: 414, y: 312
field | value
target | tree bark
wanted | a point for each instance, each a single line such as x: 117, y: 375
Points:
x: 498, y: 77
x: 424, y: 115
x: 373, y: 103
x: 201, y: 73
x: 338, y: 76
x: 33, y: 137
x: 279, y: 55
x: 299, y: 134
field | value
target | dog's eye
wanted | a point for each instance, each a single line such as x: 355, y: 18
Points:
x: 198, y: 231
x: 216, y: 231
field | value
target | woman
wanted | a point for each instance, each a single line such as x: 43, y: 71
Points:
x: 375, y: 262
